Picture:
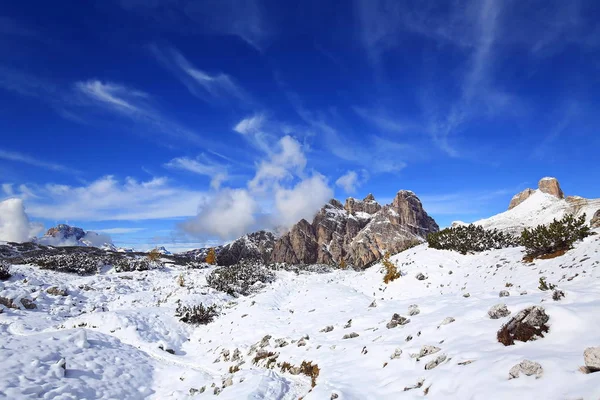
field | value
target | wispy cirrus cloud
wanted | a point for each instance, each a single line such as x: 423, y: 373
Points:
x: 351, y: 180
x: 119, y: 231
x: 26, y: 159
x: 202, y: 165
x: 242, y: 18
x: 210, y: 87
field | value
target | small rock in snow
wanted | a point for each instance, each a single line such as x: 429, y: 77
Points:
x: 591, y: 356
x: 56, y: 291
x: 373, y: 304
x: 467, y: 295
x: 499, y: 311
x: 396, y: 354
x: 527, y: 368
x: 427, y: 350
x: 350, y: 335
x: 432, y: 364
x: 328, y: 328
x: 413, y: 310
x: 420, y: 276
x: 447, y: 320
x: 397, y: 320
x: 348, y: 324
x: 504, y: 293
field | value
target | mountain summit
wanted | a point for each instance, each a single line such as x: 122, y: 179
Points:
x: 358, y: 232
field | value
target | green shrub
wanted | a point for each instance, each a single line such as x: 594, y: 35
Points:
x: 243, y: 278
x: 196, y: 315
x: 558, y: 236
x: 470, y: 238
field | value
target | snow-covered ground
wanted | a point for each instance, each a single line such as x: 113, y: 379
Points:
x: 110, y: 328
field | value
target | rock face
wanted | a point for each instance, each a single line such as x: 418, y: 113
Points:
x: 256, y: 246
x: 551, y: 186
x: 527, y: 368
x: 595, y: 222
x: 358, y: 232
x: 520, y: 197
x: 591, y: 356
x: 545, y: 185
x: 64, y: 231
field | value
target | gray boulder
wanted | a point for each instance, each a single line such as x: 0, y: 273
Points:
x: 527, y: 368
x: 591, y: 356
x: 499, y: 311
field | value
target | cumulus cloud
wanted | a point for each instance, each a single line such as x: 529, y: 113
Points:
x: 280, y: 193
x: 284, y: 164
x: 351, y: 180
x: 301, y: 201
x: 229, y: 214
x: 108, y: 198
x: 14, y: 222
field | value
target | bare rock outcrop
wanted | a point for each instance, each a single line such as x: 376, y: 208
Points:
x: 551, y: 186
x: 520, y: 197
x: 595, y: 222
x: 591, y: 356
x: 359, y: 232
x: 527, y: 368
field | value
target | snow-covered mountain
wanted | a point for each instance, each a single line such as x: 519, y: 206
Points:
x: 66, y: 235
x: 335, y: 334
x: 162, y: 250
x: 539, y: 207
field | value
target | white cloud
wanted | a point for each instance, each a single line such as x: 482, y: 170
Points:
x: 228, y: 215
x: 279, y: 194
x: 14, y: 222
x: 351, y: 180
x: 202, y: 166
x: 133, y: 104
x: 301, y: 201
x: 250, y: 125
x: 110, y: 199
x: 284, y: 164
x: 204, y: 85
x: 23, y: 158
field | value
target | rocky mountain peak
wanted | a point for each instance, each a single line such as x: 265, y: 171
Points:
x: 545, y: 185
x: 551, y: 186
x: 359, y: 232
x: 64, y: 231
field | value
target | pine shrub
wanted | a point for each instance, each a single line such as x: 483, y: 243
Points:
x: 556, y: 237
x: 196, y: 315
x: 470, y: 238
x: 243, y: 278
x: 4, y: 271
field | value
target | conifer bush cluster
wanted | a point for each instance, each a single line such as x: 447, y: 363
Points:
x: 4, y: 271
x: 470, y: 238
x: 557, y: 236
x: 243, y: 278
x: 196, y: 315
x: 130, y: 264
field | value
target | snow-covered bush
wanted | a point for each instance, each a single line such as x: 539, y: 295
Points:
x: 558, y: 236
x: 127, y: 264
x: 196, y: 315
x: 240, y: 279
x: 4, y: 271
x: 470, y: 238
x: 78, y: 263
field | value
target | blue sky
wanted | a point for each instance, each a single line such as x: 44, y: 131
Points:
x: 180, y: 123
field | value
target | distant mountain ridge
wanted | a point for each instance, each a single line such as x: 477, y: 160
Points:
x: 66, y: 235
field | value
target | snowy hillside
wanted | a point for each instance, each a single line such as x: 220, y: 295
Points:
x: 108, y: 331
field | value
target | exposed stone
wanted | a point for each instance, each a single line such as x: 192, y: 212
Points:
x: 359, y: 232
x: 328, y: 328
x: 466, y: 295
x: 528, y: 324
x: 591, y: 357
x: 56, y: 291
x: 504, y: 293
x: 551, y: 186
x: 413, y: 310
x: 499, y: 311
x: 432, y: 364
x: 28, y: 303
x: 420, y: 276
x: 527, y: 368
x: 397, y: 320
x: 427, y: 350
x: 520, y: 197
x: 396, y: 354
x: 447, y: 320
x: 595, y: 222
x: 350, y: 335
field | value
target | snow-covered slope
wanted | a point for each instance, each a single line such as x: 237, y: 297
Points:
x: 540, y: 208
x: 110, y: 329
